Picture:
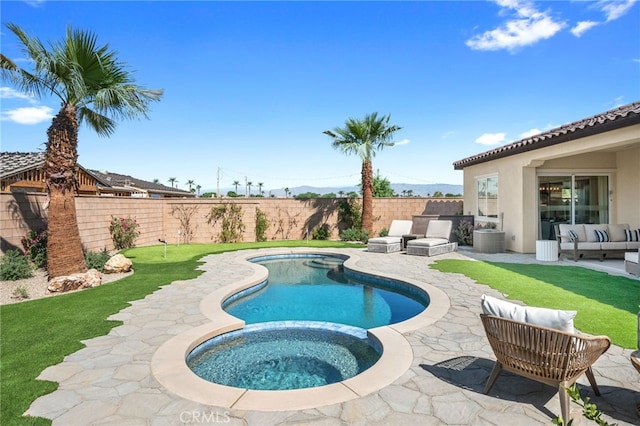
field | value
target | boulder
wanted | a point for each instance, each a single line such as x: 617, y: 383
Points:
x: 117, y: 264
x: 91, y: 278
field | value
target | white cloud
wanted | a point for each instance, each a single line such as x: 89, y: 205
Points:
x: 528, y: 27
x: 491, y: 139
x: 614, y: 9
x: 9, y: 93
x: 530, y: 133
x: 582, y: 27
x: 28, y: 115
x: 402, y: 142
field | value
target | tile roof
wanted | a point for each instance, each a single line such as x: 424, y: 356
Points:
x: 16, y: 162
x: 623, y: 116
x: 115, y: 179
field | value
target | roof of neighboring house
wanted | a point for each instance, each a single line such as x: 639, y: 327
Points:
x: 115, y: 179
x: 620, y: 117
x: 16, y: 162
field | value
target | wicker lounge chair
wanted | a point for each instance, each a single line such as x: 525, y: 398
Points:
x: 543, y: 354
x: 436, y: 240
x: 393, y: 241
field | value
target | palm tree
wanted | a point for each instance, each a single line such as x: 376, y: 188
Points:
x: 172, y: 180
x: 190, y: 182
x: 236, y: 183
x: 364, y: 138
x: 198, y: 187
x: 260, y: 185
x: 249, y: 188
x: 286, y: 192
x: 156, y: 180
x: 94, y: 88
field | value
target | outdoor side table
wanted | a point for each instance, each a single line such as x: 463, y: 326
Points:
x: 408, y: 237
x: 547, y: 250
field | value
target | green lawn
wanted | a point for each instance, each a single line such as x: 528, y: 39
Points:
x: 40, y: 333
x: 606, y: 304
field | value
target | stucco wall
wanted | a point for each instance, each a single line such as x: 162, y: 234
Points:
x: 161, y: 218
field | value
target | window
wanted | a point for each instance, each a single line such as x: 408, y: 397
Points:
x: 487, y: 190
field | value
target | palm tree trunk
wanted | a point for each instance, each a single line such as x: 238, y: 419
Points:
x: 64, y: 248
x: 367, y: 196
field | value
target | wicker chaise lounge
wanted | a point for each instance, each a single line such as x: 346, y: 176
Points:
x: 436, y: 240
x: 393, y: 241
x: 543, y: 354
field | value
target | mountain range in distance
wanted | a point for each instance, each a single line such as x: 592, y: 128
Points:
x: 417, y: 190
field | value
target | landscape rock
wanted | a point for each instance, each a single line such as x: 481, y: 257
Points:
x: 91, y: 278
x: 117, y: 264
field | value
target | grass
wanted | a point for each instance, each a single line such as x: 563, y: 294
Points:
x: 40, y: 333
x: 606, y: 304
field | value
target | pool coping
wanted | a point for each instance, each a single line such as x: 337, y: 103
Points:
x: 168, y: 364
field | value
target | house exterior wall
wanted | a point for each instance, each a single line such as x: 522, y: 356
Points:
x: 615, y: 153
x: 162, y: 219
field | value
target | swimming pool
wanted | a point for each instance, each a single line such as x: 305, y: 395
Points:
x: 316, y: 288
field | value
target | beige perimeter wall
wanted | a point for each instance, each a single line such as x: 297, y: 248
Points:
x: 288, y: 218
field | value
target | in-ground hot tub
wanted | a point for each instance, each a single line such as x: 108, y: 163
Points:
x: 285, y: 355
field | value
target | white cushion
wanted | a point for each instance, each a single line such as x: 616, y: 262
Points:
x: 616, y: 232
x: 631, y: 256
x: 384, y: 240
x: 427, y: 242
x: 551, y: 318
x: 399, y: 228
x: 439, y: 229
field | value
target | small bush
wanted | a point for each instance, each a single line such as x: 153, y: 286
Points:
x: 354, y: 234
x: 321, y: 232
x: 124, y: 232
x: 383, y: 232
x: 14, y: 266
x: 35, y: 247
x: 21, y: 292
x: 96, y: 260
x: 464, y: 232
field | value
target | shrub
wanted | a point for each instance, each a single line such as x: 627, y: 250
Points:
x: 21, y: 292
x: 261, y: 225
x: 124, y: 232
x: 15, y: 266
x: 35, y: 247
x: 232, y: 225
x: 96, y: 260
x: 354, y: 234
x: 464, y: 232
x: 321, y: 232
x: 383, y: 232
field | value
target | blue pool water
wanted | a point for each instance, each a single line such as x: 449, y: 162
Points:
x: 315, y: 288
x: 282, y: 356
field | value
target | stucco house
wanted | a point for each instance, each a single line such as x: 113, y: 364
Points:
x: 22, y: 172
x: 585, y: 172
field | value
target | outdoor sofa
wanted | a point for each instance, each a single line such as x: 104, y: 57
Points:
x: 393, y: 241
x: 596, y: 240
x: 436, y: 240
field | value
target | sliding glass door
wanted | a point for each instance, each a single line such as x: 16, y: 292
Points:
x: 571, y: 199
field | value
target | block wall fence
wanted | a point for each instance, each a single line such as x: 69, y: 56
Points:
x: 163, y: 219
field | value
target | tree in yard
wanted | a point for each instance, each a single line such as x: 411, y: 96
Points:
x: 94, y: 88
x: 172, y: 180
x: 364, y: 138
x: 382, y: 187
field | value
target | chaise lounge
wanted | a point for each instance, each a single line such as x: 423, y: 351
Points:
x: 392, y: 242
x: 436, y: 240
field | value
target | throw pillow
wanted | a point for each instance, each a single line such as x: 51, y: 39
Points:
x: 632, y: 234
x: 573, y: 235
x: 602, y: 236
x: 551, y: 318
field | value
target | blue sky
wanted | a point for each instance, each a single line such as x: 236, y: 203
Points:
x: 251, y: 86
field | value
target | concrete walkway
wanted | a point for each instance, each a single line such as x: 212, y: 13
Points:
x: 109, y: 382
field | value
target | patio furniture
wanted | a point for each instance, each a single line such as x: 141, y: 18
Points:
x: 393, y: 241
x: 543, y: 354
x: 436, y: 240
x: 631, y: 262
x: 596, y: 240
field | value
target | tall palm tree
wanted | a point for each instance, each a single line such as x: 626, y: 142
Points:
x: 94, y: 88
x: 190, y: 182
x: 249, y: 183
x: 172, y: 180
x: 198, y: 187
x: 364, y: 138
x: 286, y: 192
x: 260, y: 185
x: 236, y: 183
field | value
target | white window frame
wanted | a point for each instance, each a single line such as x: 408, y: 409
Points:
x: 486, y: 179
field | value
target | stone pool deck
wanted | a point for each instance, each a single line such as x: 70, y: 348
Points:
x: 110, y: 381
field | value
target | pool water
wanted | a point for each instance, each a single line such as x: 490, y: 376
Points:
x: 316, y: 289
x: 283, y: 357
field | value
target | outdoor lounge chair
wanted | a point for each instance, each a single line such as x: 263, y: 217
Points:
x: 393, y: 241
x: 543, y: 354
x: 436, y: 240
